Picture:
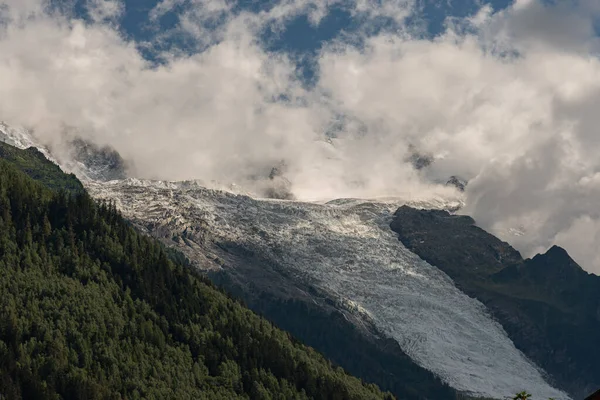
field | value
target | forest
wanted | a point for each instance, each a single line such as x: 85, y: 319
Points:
x: 92, y: 309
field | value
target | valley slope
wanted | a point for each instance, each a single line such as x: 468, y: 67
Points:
x: 337, y: 262
x: 549, y: 305
x: 92, y: 309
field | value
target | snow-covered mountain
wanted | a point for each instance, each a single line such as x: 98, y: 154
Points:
x: 346, y: 251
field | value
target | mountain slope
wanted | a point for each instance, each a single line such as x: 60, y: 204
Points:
x: 32, y: 162
x: 92, y: 309
x: 549, y: 306
x: 331, y: 271
x: 337, y: 261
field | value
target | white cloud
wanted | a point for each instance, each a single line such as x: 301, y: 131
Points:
x: 397, y: 10
x: 105, y: 10
x: 509, y: 106
x: 522, y: 128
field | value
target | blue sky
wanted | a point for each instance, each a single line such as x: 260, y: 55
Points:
x: 298, y: 37
x: 299, y: 34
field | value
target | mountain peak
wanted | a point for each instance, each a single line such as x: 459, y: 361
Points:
x: 556, y: 258
x: 557, y: 251
x: 548, y: 304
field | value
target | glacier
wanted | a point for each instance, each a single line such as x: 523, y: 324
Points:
x: 347, y: 249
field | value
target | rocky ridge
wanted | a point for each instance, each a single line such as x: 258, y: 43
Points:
x: 549, y: 306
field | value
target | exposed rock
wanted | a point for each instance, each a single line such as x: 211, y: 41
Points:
x: 276, y: 172
x: 420, y: 161
x: 548, y: 304
x: 278, y: 186
x: 457, y: 182
x: 101, y: 163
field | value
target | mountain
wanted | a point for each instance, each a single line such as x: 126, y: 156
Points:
x: 548, y: 305
x: 219, y: 232
x: 97, y: 163
x: 92, y: 309
x: 336, y: 276
x: 34, y: 163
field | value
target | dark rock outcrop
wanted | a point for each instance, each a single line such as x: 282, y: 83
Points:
x: 594, y: 396
x: 419, y: 160
x: 278, y: 186
x: 457, y: 182
x: 102, y: 163
x: 548, y: 305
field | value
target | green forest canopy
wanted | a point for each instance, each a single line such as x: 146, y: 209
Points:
x: 90, y: 308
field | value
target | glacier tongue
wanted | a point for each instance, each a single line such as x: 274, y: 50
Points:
x: 347, y: 249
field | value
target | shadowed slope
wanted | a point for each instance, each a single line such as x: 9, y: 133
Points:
x: 548, y: 305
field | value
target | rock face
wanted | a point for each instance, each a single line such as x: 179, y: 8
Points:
x: 99, y: 163
x: 278, y: 186
x: 418, y: 159
x: 457, y: 182
x: 548, y: 305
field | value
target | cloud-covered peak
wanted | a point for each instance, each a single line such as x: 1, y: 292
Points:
x: 502, y: 97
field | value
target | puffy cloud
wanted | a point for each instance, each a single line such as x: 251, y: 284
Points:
x: 504, y: 104
x: 505, y: 100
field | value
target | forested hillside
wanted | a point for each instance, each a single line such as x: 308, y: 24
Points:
x: 91, y: 309
x: 33, y: 163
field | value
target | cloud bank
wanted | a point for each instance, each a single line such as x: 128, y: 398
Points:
x: 506, y: 100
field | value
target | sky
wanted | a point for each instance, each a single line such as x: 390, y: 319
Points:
x: 336, y: 94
